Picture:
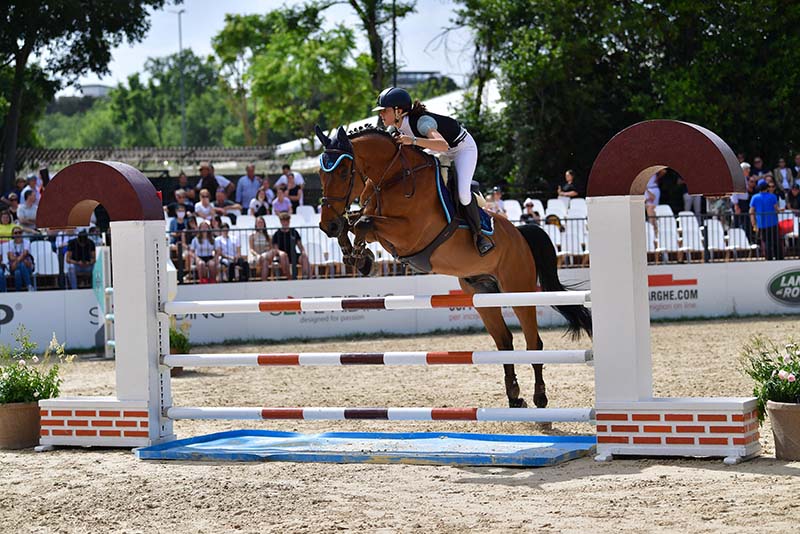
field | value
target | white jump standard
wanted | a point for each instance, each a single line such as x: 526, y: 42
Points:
x: 630, y: 421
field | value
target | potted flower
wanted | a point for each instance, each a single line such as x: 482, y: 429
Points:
x: 776, y: 372
x: 178, y: 341
x: 25, y: 379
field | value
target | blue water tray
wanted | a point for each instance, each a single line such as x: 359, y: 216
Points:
x: 429, y: 448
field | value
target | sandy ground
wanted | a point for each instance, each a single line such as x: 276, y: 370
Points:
x: 95, y: 491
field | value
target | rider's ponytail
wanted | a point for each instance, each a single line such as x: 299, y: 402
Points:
x: 417, y: 109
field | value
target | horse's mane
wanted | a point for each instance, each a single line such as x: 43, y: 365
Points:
x: 363, y: 131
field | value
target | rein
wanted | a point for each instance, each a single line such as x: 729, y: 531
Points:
x: 404, y: 173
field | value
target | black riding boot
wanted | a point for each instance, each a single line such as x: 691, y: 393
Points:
x: 482, y: 243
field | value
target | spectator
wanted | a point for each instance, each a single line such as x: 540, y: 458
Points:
x: 26, y: 214
x: 783, y: 175
x: 792, y: 199
x: 652, y: 197
x: 488, y: 203
x: 32, y: 185
x: 177, y: 226
x: 774, y: 188
x: 282, y: 204
x: 207, y: 179
x: 764, y: 218
x: 60, y: 246
x: 20, y: 261
x: 229, y: 254
x: 96, y: 236
x: 80, y: 257
x: 259, y: 206
x: 222, y: 182
x: 203, y: 209
x: 497, y: 198
x: 758, y: 167
x: 569, y: 188
x: 288, y: 240
x: 741, y: 202
x: 16, y: 191
x: 247, y: 187
x: 6, y: 225
x: 295, y: 192
x: 740, y: 157
x: 203, y: 251
x: 13, y: 205
x: 263, y: 253
x: 183, y: 245
x: 284, y: 180
x: 180, y: 201
x: 183, y: 183
x: 224, y: 207
x: 529, y: 216
x: 796, y: 168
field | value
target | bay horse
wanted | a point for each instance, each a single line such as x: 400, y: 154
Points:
x: 401, y: 209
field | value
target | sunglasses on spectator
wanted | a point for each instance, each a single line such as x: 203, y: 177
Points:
x: 204, y: 196
x: 16, y: 233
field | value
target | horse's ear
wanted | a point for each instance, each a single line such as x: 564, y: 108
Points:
x: 324, y: 139
x: 341, y: 136
x: 342, y: 141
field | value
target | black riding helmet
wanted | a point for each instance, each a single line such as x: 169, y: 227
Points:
x: 393, y: 97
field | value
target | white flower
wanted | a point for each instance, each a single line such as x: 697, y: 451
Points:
x: 782, y: 374
x: 35, y: 359
x: 787, y: 359
x: 21, y: 362
x: 36, y: 394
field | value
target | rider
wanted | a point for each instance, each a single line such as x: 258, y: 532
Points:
x: 420, y: 127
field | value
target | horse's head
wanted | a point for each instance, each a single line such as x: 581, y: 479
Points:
x: 337, y: 173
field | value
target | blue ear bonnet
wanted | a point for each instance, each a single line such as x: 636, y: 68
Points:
x: 326, y: 162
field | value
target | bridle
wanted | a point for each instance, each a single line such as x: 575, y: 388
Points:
x: 327, y: 200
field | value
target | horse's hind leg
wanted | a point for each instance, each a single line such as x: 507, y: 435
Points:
x: 503, y: 339
x: 530, y: 327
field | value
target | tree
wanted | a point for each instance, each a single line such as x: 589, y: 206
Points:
x: 374, y: 16
x: 305, y: 76
x: 75, y: 37
x: 432, y: 87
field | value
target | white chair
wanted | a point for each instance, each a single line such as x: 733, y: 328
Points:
x: 272, y: 221
x: 554, y: 232
x: 556, y: 205
x: 692, y: 241
x: 245, y: 221
x: 572, y: 244
x: 44, y: 259
x: 663, y: 210
x: 513, y: 210
x: 317, y: 255
x: 307, y: 213
x: 715, y: 233
x: 738, y: 242
x: 651, y: 245
x: 579, y: 205
x: 668, y: 236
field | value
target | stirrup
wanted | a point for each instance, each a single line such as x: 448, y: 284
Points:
x: 483, y: 244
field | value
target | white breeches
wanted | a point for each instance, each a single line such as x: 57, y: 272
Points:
x: 465, y: 159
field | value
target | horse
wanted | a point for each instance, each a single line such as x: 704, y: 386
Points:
x: 400, y: 208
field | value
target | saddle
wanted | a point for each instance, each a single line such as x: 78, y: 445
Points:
x: 447, y: 187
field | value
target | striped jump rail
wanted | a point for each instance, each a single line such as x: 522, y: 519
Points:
x: 382, y: 358
x: 393, y: 302
x: 535, y: 415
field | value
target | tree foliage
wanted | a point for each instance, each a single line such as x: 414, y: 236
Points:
x: 575, y: 72
x: 305, y: 75
x: 73, y: 36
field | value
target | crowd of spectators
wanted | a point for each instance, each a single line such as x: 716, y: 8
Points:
x: 209, y: 250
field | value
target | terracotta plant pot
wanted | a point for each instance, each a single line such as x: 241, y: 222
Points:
x: 19, y: 425
x: 785, y: 419
x: 176, y: 371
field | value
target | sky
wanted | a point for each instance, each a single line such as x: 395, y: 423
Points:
x: 417, y: 45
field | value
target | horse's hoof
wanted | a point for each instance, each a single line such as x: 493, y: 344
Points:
x: 365, y: 266
x: 540, y: 399
x: 349, y: 260
x: 517, y: 403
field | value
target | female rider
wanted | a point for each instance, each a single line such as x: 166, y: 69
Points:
x: 439, y: 133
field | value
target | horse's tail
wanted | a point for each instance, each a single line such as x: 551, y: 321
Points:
x: 544, y: 255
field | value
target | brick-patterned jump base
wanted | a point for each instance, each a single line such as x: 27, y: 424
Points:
x: 680, y: 427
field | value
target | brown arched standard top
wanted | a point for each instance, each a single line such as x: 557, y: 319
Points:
x: 630, y: 158
x: 73, y: 194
